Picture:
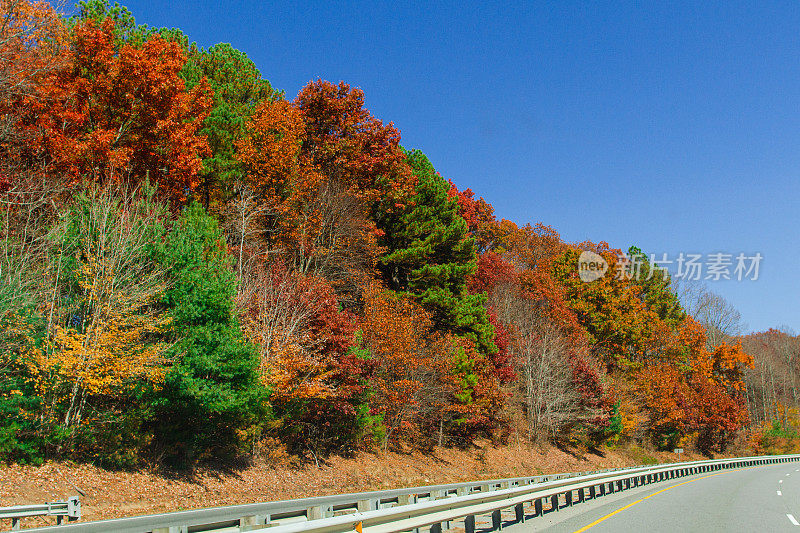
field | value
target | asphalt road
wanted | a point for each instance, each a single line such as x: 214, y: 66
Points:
x: 763, y: 498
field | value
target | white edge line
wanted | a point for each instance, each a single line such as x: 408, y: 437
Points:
x: 792, y: 520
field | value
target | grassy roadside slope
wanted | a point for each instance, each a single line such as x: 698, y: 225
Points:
x: 112, y: 494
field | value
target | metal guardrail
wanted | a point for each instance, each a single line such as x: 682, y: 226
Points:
x: 70, y: 509
x: 391, y: 511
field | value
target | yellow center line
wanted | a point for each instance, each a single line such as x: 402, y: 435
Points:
x: 609, y: 515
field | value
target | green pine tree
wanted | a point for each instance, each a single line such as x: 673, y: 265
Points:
x: 212, y: 401
x: 430, y: 256
x: 656, y: 288
x: 238, y: 89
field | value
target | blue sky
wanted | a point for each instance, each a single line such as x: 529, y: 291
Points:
x: 668, y: 125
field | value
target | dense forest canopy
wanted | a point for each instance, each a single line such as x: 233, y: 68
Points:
x: 193, y: 266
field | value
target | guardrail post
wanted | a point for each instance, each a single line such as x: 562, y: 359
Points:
x: 436, y: 528
x: 469, y: 524
x: 519, y: 513
x: 316, y: 512
x: 249, y: 523
x: 406, y: 499
x: 15, y: 524
x: 362, y: 506
x: 73, y: 508
x: 568, y: 499
x: 554, y: 502
x: 497, y: 520
x: 538, y: 509
x: 440, y: 495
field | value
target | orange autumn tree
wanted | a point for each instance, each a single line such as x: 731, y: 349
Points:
x: 350, y: 146
x: 118, y: 111
x: 308, y: 359
x: 695, y: 392
x: 413, y: 381
x: 271, y: 153
x: 319, y: 223
x: 32, y: 38
x: 280, y: 181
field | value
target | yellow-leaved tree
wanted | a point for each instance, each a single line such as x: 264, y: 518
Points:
x: 104, y: 322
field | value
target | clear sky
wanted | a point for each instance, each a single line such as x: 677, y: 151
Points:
x: 668, y: 125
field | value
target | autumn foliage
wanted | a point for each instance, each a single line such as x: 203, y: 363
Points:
x: 111, y: 112
x: 194, y: 268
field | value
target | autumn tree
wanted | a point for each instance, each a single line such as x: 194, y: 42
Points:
x: 349, y: 146
x: 94, y: 335
x: 623, y: 329
x: 414, y: 383
x: 318, y: 224
x: 308, y: 357
x: 32, y: 41
x: 694, y: 390
x: 121, y: 112
x: 479, y: 216
x: 772, y: 382
x: 558, y: 392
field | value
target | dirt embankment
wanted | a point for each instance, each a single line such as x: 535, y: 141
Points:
x: 113, y: 494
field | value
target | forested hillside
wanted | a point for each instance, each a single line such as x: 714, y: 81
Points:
x: 196, y: 266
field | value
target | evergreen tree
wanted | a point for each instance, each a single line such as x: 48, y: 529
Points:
x: 656, y: 288
x: 238, y: 89
x: 430, y: 255
x: 212, y: 400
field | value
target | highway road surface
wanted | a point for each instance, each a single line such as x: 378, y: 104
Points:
x: 757, y: 499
